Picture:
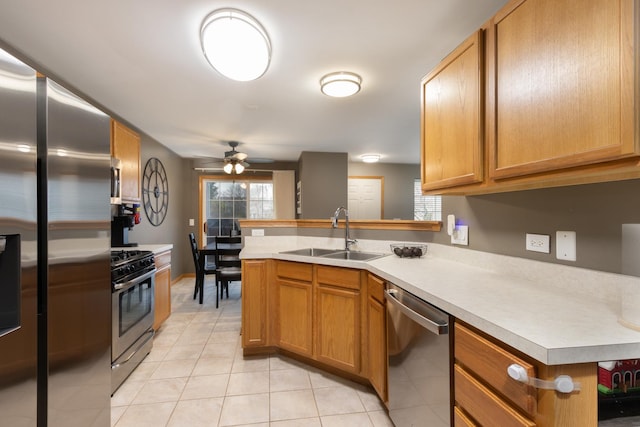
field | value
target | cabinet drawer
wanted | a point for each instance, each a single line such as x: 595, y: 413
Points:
x: 460, y: 419
x: 162, y: 259
x: 337, y: 276
x: 490, y: 362
x: 375, y: 287
x: 295, y: 270
x: 483, y: 405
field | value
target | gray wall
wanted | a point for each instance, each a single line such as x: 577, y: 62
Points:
x: 498, y: 223
x: 324, y: 183
x: 174, y: 227
x: 398, y: 185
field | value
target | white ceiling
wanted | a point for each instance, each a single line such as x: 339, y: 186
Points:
x: 142, y: 62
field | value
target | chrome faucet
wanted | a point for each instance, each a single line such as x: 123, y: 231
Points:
x: 348, y: 241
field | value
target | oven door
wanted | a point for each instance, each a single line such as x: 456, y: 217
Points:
x: 132, y: 311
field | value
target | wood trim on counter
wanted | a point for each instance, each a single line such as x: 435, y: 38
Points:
x: 390, y: 224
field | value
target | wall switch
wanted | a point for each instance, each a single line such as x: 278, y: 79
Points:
x: 257, y: 232
x: 460, y: 235
x: 538, y: 243
x: 192, y: 222
x: 566, y: 245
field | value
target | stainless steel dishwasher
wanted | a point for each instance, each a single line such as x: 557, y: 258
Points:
x: 419, y: 346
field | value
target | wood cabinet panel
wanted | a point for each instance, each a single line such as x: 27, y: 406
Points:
x: 294, y: 270
x: 254, y: 303
x: 484, y: 405
x: 125, y: 146
x: 460, y: 419
x: 452, y: 118
x: 377, y: 347
x: 162, y: 292
x: 561, y: 90
x: 162, y: 296
x: 490, y: 362
x: 338, y: 276
x: 295, y: 316
x: 338, y: 323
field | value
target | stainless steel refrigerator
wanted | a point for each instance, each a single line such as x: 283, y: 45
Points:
x: 55, y: 291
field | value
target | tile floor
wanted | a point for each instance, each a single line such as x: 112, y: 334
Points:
x: 196, y: 376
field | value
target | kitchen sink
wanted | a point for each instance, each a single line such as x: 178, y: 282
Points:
x: 354, y: 255
x: 311, y: 251
x: 335, y: 254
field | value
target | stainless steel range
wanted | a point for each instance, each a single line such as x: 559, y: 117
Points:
x: 132, y: 310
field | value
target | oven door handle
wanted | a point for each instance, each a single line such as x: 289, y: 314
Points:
x: 133, y: 282
x: 151, y: 334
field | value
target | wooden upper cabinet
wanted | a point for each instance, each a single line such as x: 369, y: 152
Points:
x: 125, y: 146
x: 560, y: 91
x: 452, y: 119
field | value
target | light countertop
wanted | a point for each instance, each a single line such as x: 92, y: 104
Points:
x: 557, y: 314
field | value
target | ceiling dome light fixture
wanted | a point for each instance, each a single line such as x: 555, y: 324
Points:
x: 235, y: 44
x: 370, y: 158
x: 340, y: 84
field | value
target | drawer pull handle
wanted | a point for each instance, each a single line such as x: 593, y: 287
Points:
x: 562, y: 383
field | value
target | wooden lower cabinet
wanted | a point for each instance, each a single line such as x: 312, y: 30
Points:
x: 255, y: 303
x: 162, y: 293
x: 486, y: 396
x: 295, y: 307
x: 377, y: 336
x: 339, y: 317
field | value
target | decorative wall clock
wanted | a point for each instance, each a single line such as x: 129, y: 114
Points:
x: 155, y: 191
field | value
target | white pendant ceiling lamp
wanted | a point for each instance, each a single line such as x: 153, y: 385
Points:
x: 340, y: 84
x: 235, y: 44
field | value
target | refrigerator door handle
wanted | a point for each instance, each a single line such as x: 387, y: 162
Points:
x: 3, y: 243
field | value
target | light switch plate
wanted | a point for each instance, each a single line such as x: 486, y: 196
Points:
x: 566, y: 245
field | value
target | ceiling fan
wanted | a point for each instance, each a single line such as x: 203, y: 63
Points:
x: 234, y: 161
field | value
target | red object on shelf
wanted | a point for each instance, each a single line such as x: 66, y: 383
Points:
x: 619, y: 374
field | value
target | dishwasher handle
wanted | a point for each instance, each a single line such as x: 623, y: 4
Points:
x: 434, y: 326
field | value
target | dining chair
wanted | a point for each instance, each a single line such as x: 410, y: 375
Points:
x: 228, y: 264
x: 202, y: 266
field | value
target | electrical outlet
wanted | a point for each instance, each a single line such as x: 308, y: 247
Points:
x: 537, y: 243
x: 460, y: 235
x: 257, y: 232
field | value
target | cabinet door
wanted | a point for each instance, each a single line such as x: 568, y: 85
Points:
x: 452, y: 120
x: 125, y: 146
x: 561, y: 86
x: 338, y: 323
x: 254, y: 303
x: 295, y: 316
x: 377, y: 347
x: 162, y: 296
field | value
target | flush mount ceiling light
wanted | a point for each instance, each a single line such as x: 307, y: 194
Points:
x: 235, y: 44
x: 233, y: 166
x: 340, y: 84
x: 370, y: 158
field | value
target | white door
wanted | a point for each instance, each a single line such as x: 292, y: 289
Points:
x: 365, y: 197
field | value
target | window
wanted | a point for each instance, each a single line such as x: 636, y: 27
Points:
x: 226, y: 201
x: 425, y: 208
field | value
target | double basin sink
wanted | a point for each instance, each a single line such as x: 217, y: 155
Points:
x: 336, y: 254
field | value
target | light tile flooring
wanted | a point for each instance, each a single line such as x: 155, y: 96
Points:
x: 196, y: 376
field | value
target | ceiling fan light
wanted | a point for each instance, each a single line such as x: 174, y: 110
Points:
x: 235, y: 44
x: 370, y: 158
x: 239, y: 168
x: 340, y: 84
x: 228, y: 167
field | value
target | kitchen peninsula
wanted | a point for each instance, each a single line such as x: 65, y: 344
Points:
x: 562, y: 319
